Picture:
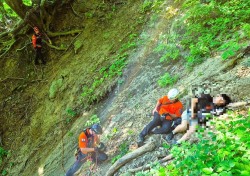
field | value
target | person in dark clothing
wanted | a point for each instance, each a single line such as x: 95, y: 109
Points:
x: 37, y: 44
x: 89, y: 148
x: 167, y: 110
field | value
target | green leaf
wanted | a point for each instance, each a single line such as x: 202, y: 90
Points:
x: 207, y: 170
x: 244, y: 173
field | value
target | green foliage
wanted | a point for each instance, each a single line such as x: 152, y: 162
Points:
x: 4, y: 172
x: 225, y: 152
x: 123, y: 150
x: 151, y: 5
x: 9, y: 11
x: 68, y: 120
x: 206, y: 27
x: 146, y: 6
x: 93, y: 119
x: 71, y: 112
x: 3, y: 153
x: 89, y: 14
x: 165, y: 145
x: 112, y: 134
x: 107, y: 73
x: 229, y: 49
x: 27, y: 2
x: 168, y: 48
x: 167, y: 79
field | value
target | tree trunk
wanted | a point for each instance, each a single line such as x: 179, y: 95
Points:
x: 24, y: 12
x: 123, y: 160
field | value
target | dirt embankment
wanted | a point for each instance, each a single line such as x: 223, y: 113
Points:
x: 50, y: 144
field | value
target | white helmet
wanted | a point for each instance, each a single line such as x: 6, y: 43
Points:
x: 173, y: 94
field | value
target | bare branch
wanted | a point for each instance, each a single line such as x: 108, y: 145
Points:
x: 54, y: 34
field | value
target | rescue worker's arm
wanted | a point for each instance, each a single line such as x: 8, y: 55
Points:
x: 156, y: 107
x: 173, y: 116
x: 194, y: 102
x: 84, y: 150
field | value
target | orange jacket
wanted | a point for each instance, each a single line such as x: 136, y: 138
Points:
x: 85, y: 142
x: 37, y: 40
x: 167, y: 107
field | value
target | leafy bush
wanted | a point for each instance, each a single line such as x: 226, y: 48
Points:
x: 224, y: 153
x: 107, y: 73
x: 27, y: 2
x: 93, y: 119
x: 167, y: 79
x: 3, y: 153
x: 146, y: 6
x: 206, y: 27
x: 123, y: 150
x: 71, y: 112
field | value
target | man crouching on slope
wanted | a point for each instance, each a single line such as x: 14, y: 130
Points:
x: 167, y: 110
x: 87, y: 148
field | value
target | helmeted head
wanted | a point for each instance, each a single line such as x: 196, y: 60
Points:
x: 96, y: 128
x: 173, y: 94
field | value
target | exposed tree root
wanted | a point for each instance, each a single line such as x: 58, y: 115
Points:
x: 55, y: 47
x: 7, y: 46
x: 55, y: 34
x: 119, y: 163
x: 75, y: 13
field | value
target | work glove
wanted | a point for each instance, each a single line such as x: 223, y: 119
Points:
x: 96, y: 149
x: 101, y: 147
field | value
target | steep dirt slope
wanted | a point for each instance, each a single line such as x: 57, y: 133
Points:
x: 126, y: 110
x: 49, y: 149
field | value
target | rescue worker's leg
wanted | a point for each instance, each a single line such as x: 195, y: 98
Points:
x: 99, y: 157
x: 165, y: 128
x: 154, y: 123
x: 180, y: 128
x: 81, y: 158
x: 37, y: 56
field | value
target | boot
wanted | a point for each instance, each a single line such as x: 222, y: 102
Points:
x: 169, y: 136
x: 140, y: 141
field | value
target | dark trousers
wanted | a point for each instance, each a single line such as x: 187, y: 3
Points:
x: 164, y: 129
x: 39, y: 56
x: 82, y: 158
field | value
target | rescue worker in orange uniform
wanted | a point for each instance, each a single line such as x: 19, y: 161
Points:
x: 167, y: 111
x: 37, y: 44
x: 89, y: 148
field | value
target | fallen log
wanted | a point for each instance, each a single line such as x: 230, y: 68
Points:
x: 238, y: 104
x: 163, y: 161
x: 119, y: 163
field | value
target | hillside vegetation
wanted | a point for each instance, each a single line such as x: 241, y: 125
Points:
x: 124, y: 56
